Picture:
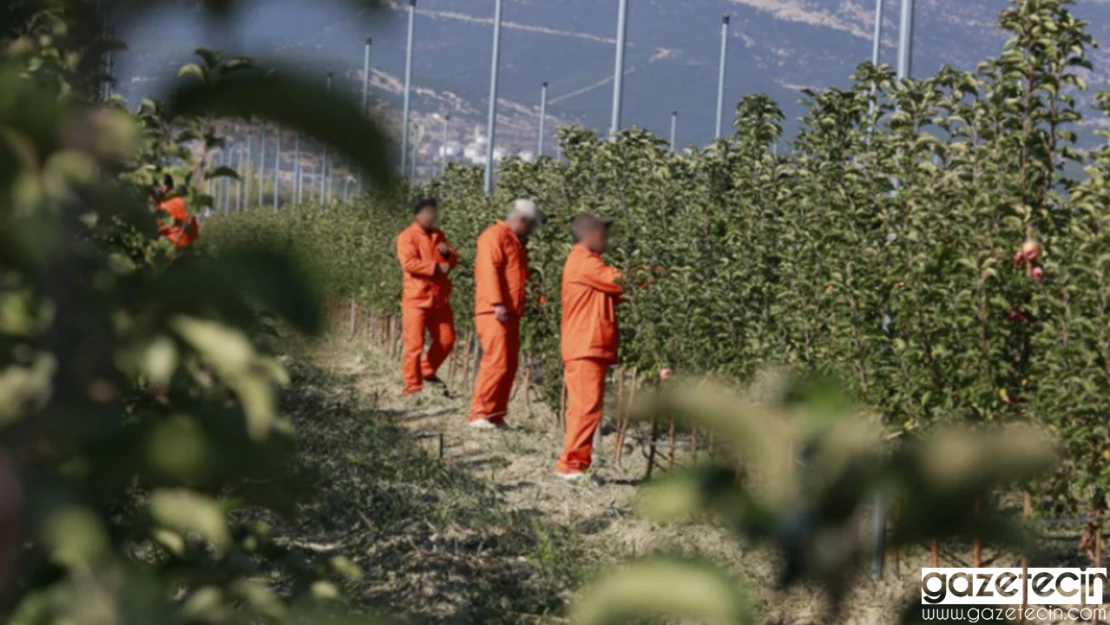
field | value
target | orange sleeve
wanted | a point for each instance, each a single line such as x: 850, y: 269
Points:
x: 409, y: 255
x: 489, y: 272
x: 596, y: 275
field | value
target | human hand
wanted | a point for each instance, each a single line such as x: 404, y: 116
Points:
x: 501, y: 313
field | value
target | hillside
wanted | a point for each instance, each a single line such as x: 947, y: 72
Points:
x: 778, y: 47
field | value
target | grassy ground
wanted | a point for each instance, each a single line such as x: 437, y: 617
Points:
x: 451, y: 525
x: 433, y: 542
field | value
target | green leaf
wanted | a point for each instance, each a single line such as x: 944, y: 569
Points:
x: 663, y: 587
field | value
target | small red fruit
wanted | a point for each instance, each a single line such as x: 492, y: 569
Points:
x: 1031, y: 250
x: 665, y: 374
x: 1038, y: 274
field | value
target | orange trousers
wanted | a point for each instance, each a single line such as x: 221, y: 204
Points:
x: 415, y: 364
x: 585, y: 380
x: 497, y: 370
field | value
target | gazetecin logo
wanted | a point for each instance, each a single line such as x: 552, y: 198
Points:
x: 1012, y: 586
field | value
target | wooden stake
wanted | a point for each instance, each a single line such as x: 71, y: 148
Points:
x: 620, y: 413
x: 934, y: 553
x: 1026, y: 513
x: 670, y: 448
x: 895, y: 552
x: 622, y: 434
x: 466, y: 360
x: 561, y: 418
x: 651, y: 446
x: 977, y: 546
x: 694, y: 443
x: 354, y: 316
x: 527, y: 387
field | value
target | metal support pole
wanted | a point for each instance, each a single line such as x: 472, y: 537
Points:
x: 721, y: 77
x: 365, y: 101
x: 491, y: 130
x: 905, y: 41
x: 324, y: 159
x: 297, y: 169
x: 618, y: 72
x: 543, y: 118
x: 443, y: 154
x: 239, y: 187
x: 261, y: 163
x: 877, y: 44
x: 876, y: 52
x: 248, y: 170
x: 277, y: 169
x: 674, y: 131
x: 226, y: 184
x: 408, y: 88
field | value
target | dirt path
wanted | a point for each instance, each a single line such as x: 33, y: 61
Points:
x: 520, y: 463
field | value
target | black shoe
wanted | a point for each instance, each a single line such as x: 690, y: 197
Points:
x: 435, y: 380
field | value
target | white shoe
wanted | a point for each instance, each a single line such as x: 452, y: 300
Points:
x: 482, y: 424
x: 576, y: 476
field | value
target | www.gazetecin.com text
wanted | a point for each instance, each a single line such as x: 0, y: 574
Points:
x: 976, y: 614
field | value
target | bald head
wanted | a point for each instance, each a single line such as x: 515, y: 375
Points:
x: 591, y: 231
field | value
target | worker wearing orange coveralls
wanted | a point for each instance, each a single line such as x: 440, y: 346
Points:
x: 426, y: 261
x: 500, y: 275
x: 591, y: 292
x: 181, y: 228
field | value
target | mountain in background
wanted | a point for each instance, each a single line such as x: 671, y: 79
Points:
x: 777, y: 47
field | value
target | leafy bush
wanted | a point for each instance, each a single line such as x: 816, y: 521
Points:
x: 881, y: 250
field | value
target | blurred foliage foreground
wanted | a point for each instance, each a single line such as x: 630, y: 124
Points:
x: 138, y: 390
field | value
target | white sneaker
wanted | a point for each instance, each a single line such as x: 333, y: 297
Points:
x: 571, y: 477
x: 482, y: 424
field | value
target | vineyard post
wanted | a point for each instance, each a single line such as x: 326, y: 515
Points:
x: 543, y: 117
x: 248, y: 169
x: 905, y: 41
x: 365, y: 101
x: 297, y: 170
x: 674, y: 130
x: 407, y: 106
x: 277, y: 168
x: 491, y: 130
x: 723, y: 69
x: 618, y: 71
x: 261, y: 161
x: 324, y: 159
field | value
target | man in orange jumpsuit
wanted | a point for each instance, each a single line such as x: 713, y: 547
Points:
x: 426, y: 260
x: 500, y: 275
x: 181, y: 228
x: 591, y: 291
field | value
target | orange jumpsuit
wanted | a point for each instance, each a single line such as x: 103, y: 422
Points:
x: 425, y: 304
x: 181, y: 228
x: 591, y: 291
x: 500, y: 275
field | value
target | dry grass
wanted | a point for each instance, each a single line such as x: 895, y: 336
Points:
x: 486, y: 533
